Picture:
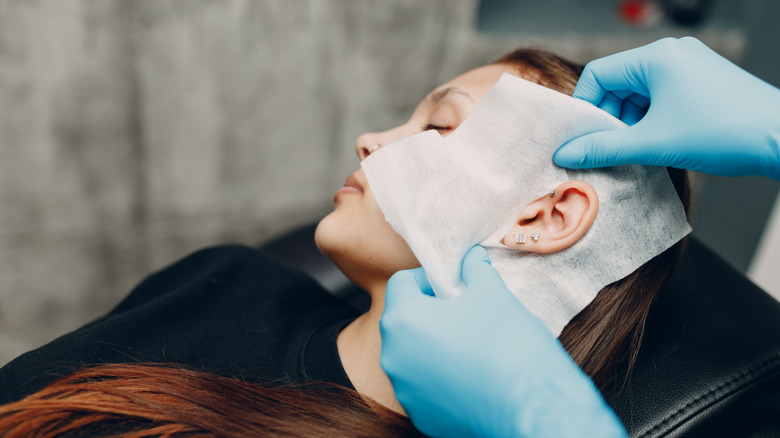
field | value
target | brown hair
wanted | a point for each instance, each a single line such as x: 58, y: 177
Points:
x: 545, y: 68
x: 145, y: 400
x: 154, y: 400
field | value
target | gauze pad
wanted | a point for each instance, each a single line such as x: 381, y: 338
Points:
x: 444, y: 195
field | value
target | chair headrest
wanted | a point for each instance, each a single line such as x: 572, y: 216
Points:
x: 709, y: 364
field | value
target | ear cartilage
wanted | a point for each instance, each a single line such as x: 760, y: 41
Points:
x: 535, y: 236
x: 520, y: 238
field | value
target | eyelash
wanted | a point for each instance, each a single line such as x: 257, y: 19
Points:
x: 428, y: 127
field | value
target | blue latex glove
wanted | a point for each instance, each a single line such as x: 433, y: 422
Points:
x: 704, y: 114
x: 481, y: 364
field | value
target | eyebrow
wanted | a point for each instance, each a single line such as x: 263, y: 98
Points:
x: 438, y: 96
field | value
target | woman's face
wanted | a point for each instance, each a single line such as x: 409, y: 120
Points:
x: 355, y: 236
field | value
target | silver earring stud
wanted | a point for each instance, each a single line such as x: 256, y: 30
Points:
x: 535, y: 236
x: 552, y: 193
x: 520, y: 237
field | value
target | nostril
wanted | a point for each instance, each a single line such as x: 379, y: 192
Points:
x: 365, y: 151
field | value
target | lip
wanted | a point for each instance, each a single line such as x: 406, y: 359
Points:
x: 351, y: 186
x: 352, y: 181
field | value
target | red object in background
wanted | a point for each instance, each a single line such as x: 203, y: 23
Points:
x: 640, y: 13
x: 631, y: 10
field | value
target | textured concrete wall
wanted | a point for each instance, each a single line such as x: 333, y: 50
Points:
x: 69, y: 183
x: 133, y: 132
x: 248, y: 110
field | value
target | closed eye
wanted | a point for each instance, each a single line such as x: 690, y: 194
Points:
x: 440, y: 129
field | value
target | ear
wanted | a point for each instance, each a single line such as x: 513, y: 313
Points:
x: 555, y: 221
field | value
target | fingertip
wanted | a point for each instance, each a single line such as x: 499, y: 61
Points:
x: 614, y: 147
x: 588, y: 87
x: 691, y: 41
x: 401, y: 277
x: 476, y: 257
x: 422, y: 280
x: 477, y: 270
x: 399, y: 286
x: 387, y: 364
x: 571, y: 155
x: 407, y: 284
x: 477, y: 253
x: 473, y: 261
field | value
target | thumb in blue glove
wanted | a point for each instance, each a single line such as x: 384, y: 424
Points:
x: 481, y: 364
x: 702, y: 112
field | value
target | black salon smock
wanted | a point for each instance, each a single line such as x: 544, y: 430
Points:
x: 231, y: 310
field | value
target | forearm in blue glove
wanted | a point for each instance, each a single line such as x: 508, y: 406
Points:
x: 481, y: 364
x: 702, y: 112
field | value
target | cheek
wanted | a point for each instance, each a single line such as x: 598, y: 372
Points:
x: 386, y: 245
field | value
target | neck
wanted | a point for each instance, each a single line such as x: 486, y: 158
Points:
x: 360, y: 346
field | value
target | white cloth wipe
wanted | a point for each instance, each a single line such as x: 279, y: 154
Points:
x: 444, y: 195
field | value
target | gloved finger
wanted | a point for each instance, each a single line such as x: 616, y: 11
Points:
x: 617, y: 72
x: 588, y: 88
x: 422, y: 280
x: 612, y: 104
x: 406, y: 297
x: 634, y: 109
x: 607, y: 148
x: 407, y: 286
x: 639, y: 100
x: 623, y: 94
x: 407, y: 292
x: 694, y: 43
x: 478, y: 274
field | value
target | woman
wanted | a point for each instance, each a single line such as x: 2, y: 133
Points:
x: 236, y: 312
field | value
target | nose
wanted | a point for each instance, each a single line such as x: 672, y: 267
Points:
x: 366, y: 144
x: 370, y: 142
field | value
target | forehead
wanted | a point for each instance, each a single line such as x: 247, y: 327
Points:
x: 479, y: 81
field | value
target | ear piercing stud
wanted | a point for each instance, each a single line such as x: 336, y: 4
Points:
x: 552, y: 193
x: 522, y: 237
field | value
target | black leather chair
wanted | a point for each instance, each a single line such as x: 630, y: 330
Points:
x: 709, y: 365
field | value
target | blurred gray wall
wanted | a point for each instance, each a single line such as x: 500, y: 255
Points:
x: 134, y: 132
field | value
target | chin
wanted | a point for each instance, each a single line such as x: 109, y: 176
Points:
x: 333, y: 241
x: 326, y: 237
x: 336, y: 240
x: 367, y: 252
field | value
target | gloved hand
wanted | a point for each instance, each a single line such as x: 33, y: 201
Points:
x: 481, y: 364
x: 704, y: 114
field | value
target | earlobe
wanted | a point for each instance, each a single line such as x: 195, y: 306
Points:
x: 556, y: 220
